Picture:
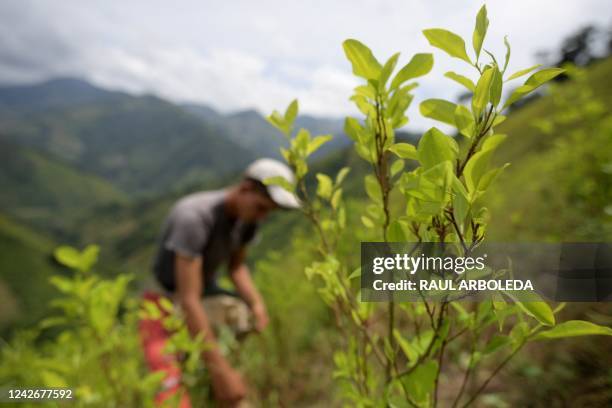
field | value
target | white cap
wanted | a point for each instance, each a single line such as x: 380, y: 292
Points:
x: 262, y: 169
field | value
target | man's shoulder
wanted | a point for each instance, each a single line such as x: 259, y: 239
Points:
x: 201, y: 204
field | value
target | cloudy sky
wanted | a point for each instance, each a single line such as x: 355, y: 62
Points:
x: 235, y: 55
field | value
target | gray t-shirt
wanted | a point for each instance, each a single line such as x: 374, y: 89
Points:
x: 199, y: 226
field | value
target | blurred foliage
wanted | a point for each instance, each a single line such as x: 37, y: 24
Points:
x: 558, y: 188
x: 561, y: 178
x: 95, y: 349
x: 401, y: 363
x: 46, y: 193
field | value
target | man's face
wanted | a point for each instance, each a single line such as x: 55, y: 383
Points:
x: 253, y: 205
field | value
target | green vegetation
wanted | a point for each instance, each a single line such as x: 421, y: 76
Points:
x: 406, y: 357
x: 46, y: 193
x: 96, y: 353
x: 323, y: 347
x: 26, y: 269
x: 132, y: 142
x: 561, y: 164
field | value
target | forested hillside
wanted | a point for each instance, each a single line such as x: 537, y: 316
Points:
x: 132, y: 142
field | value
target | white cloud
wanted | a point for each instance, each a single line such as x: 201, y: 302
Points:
x: 245, y: 54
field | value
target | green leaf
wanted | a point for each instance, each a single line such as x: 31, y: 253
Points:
x: 342, y: 175
x: 89, y: 257
x: 324, y: 189
x: 80, y: 261
x: 574, y: 328
x: 367, y: 91
x: 291, y: 112
x: 363, y: 61
x: 387, y: 70
x: 480, y: 30
x: 355, y: 274
x: 492, y: 57
x: 63, y: 284
x: 52, y: 321
x: 395, y: 232
x: 52, y: 380
x: 448, y: 42
x: 534, y: 82
x: 373, y: 188
x: 405, y: 345
x: 152, y: 310
x: 461, y: 205
x: 284, y: 123
x: 439, y: 109
x: 435, y: 147
x: 353, y: 129
x: 279, y: 181
x: 367, y: 222
x: 499, y: 119
x: 165, y: 304
x: 540, y: 311
x: 68, y: 256
x: 396, y: 167
x: 482, y: 94
x: 419, y: 65
x: 404, y: 150
x: 496, y: 86
x: 508, y: 51
x: 475, y: 169
x: 464, y: 121
x: 491, y: 142
x: 543, y: 76
x: 278, y: 121
x: 364, y: 105
x: 489, y: 177
x: 317, y: 142
x: 496, y: 343
x: 518, y: 333
x: 399, y: 102
x: 522, y: 72
x: 465, y: 81
x: 335, y: 198
x: 420, y: 382
x: 285, y: 153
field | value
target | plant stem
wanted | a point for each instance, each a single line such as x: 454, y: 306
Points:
x: 440, y: 359
x: 465, y: 375
x: 493, y: 374
x: 486, y: 127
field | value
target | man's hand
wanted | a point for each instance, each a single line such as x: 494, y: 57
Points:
x: 227, y: 383
x: 241, y: 276
x: 261, y: 316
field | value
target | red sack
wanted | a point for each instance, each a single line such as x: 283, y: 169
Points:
x: 153, y: 337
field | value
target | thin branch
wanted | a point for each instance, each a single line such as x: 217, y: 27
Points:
x: 440, y: 359
x: 494, y: 373
x: 477, y: 139
x: 429, y: 347
x: 451, y: 217
x: 466, y: 375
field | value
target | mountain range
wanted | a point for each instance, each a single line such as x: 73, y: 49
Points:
x: 140, y: 144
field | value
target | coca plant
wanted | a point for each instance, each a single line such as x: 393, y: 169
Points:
x: 437, y: 197
x: 94, y: 347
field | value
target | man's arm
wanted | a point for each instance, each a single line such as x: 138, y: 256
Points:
x: 241, y: 277
x: 227, y: 382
